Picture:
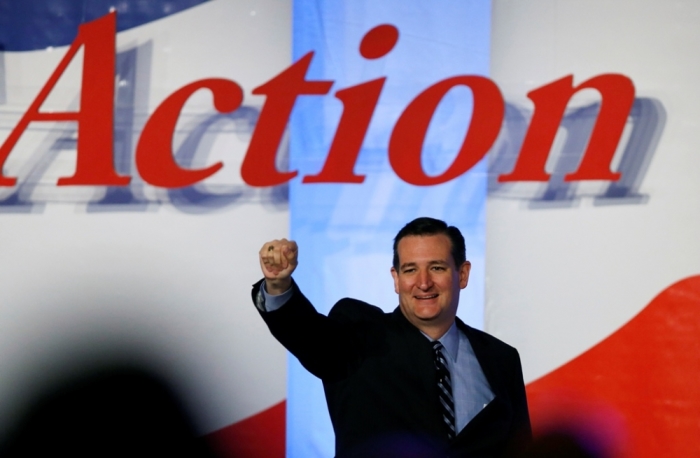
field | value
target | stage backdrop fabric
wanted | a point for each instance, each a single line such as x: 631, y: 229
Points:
x: 149, y: 149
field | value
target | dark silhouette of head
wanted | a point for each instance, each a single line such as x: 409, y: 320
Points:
x: 108, y: 411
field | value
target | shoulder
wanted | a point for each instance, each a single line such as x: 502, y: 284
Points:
x: 353, y: 310
x: 499, y: 361
x: 485, y: 341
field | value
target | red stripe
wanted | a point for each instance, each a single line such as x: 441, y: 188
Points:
x: 259, y: 436
x: 635, y: 394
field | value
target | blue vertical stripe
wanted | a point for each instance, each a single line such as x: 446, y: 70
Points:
x: 345, y: 231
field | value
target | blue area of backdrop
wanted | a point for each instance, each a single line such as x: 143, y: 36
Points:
x: 28, y: 25
x: 345, y: 231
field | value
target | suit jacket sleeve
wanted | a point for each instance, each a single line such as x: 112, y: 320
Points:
x: 326, y: 347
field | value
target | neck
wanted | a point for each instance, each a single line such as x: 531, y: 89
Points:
x: 430, y: 329
x: 435, y: 332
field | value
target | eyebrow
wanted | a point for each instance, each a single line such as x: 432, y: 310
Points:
x: 430, y: 263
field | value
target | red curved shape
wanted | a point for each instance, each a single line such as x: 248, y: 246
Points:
x: 259, y: 436
x: 379, y: 41
x: 635, y: 394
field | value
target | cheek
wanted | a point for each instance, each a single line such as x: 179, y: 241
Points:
x: 403, y: 288
x: 450, y: 285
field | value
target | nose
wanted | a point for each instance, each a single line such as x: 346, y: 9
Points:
x: 425, y: 282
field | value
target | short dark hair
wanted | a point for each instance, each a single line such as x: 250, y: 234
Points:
x: 431, y: 226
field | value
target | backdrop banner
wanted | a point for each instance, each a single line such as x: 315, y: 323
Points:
x: 149, y: 149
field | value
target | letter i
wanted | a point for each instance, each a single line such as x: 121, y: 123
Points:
x: 359, y: 103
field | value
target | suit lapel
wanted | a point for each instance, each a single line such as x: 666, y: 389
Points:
x: 489, y: 425
x: 486, y: 356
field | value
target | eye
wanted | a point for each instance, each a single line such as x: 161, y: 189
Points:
x: 409, y: 270
x: 439, y: 268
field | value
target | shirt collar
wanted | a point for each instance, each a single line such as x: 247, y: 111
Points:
x: 449, y: 340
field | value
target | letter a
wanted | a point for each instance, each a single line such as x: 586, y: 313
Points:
x: 95, y: 163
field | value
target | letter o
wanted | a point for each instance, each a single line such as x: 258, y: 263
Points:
x: 408, y: 136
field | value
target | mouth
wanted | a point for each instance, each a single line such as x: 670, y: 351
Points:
x: 427, y: 297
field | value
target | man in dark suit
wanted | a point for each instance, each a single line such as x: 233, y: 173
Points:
x: 414, y: 382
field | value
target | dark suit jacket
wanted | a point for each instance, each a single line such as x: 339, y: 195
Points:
x: 379, y: 378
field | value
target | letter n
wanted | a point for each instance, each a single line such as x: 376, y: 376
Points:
x: 95, y: 118
x: 617, y: 93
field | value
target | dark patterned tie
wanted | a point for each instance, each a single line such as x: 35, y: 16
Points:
x: 444, y: 389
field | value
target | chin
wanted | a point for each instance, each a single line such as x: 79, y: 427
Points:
x: 428, y: 315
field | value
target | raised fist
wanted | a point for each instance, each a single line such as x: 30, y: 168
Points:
x: 278, y: 259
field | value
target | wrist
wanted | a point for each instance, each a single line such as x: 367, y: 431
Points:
x: 277, y: 286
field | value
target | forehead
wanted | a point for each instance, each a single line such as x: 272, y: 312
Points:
x: 424, y: 248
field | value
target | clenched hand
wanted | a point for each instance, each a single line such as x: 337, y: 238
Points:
x: 278, y: 259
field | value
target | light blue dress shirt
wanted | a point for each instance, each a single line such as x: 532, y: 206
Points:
x: 470, y: 389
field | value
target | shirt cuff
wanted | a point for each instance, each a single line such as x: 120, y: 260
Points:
x: 266, y: 302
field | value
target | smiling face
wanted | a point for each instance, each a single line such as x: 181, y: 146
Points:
x: 428, y: 282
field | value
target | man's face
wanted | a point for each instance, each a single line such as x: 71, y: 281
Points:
x: 427, y: 281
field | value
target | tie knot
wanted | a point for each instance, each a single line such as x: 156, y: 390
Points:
x: 438, y: 349
x: 439, y: 356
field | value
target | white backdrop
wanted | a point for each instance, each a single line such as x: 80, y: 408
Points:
x: 562, y: 278
x: 151, y: 281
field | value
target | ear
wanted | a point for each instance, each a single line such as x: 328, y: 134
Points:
x: 464, y: 274
x: 395, y: 275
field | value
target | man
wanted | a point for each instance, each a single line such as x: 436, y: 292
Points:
x: 417, y: 377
